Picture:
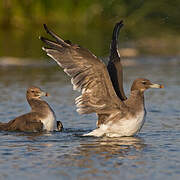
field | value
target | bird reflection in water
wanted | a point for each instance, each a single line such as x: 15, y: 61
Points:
x: 96, y: 156
x: 108, y: 147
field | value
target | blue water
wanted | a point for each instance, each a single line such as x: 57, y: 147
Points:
x: 153, y: 154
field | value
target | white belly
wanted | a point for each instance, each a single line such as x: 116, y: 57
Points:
x: 123, y: 127
x: 49, y: 123
x: 127, y: 127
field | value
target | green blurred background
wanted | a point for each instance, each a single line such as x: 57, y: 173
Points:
x: 151, y: 27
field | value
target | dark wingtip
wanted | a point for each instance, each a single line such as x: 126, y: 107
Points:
x: 114, y: 55
x: 42, y: 38
x: 120, y: 23
x: 115, y: 34
x: 68, y: 42
x: 46, y: 28
x: 58, y: 39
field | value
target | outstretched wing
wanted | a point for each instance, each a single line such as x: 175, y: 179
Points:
x: 114, y: 65
x: 88, y: 74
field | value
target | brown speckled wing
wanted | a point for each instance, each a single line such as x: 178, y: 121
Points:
x: 29, y: 122
x: 114, y: 65
x: 88, y: 75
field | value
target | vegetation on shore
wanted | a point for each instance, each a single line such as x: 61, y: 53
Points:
x: 149, y: 25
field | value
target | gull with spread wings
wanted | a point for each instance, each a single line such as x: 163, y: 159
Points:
x: 101, y: 87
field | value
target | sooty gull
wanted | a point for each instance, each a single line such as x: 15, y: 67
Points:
x: 101, y: 87
x: 40, y: 118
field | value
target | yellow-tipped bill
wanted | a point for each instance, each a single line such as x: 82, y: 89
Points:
x: 156, y: 86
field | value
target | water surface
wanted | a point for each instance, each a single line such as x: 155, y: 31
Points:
x: 153, y: 154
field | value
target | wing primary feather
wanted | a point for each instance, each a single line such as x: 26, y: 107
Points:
x: 51, y: 43
x: 114, y: 45
x: 58, y: 39
x: 114, y: 66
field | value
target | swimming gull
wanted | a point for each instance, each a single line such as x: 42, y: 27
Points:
x: 40, y: 118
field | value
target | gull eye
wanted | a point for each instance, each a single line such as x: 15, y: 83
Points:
x: 144, y: 82
x: 32, y: 91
